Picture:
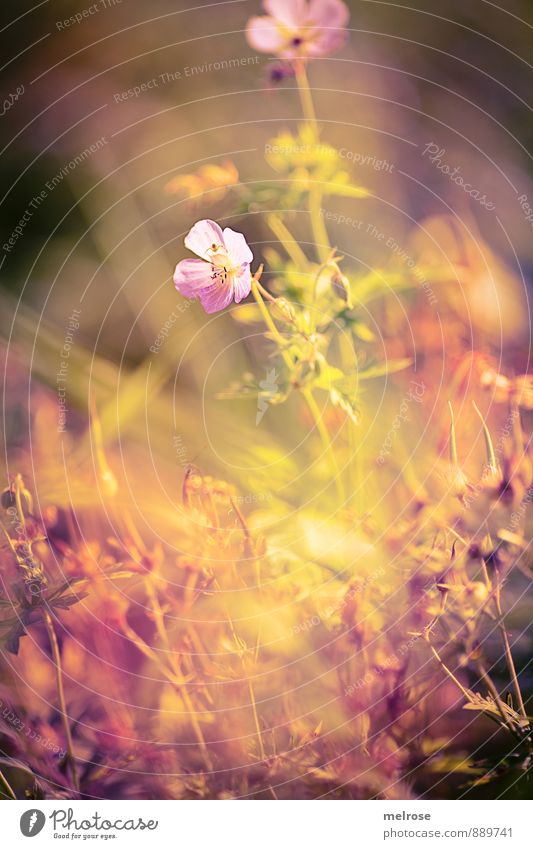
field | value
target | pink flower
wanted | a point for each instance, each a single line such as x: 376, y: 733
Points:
x: 223, y: 272
x: 297, y: 29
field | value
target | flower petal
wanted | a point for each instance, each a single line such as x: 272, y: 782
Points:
x: 203, y: 236
x: 326, y: 42
x: 328, y: 13
x: 217, y: 297
x: 264, y: 35
x: 290, y: 13
x: 242, y: 284
x: 192, y: 276
x: 237, y: 248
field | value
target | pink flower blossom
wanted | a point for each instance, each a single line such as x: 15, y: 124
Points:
x: 297, y: 29
x: 222, y: 274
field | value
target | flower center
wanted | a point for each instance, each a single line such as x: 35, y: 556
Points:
x: 219, y: 273
x: 221, y: 265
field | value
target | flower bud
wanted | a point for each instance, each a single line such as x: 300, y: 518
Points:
x: 458, y: 482
x: 283, y: 310
x: 341, y: 286
x: 8, y: 499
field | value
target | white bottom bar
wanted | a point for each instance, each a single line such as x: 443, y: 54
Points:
x: 268, y: 825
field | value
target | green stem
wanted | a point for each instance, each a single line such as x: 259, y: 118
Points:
x: 325, y: 264
x: 270, y: 324
x: 324, y: 436
x: 320, y: 234
x: 508, y: 653
x: 293, y: 249
x: 306, y: 97
x: 61, y: 696
x: 307, y: 393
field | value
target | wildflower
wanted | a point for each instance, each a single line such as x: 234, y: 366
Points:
x: 222, y: 273
x: 297, y: 29
x: 283, y: 310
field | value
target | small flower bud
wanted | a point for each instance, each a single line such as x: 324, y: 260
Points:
x: 8, y: 499
x: 341, y: 286
x: 277, y: 72
x: 458, y: 482
x: 283, y: 310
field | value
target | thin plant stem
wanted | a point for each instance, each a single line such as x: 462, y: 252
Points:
x: 507, y: 648
x: 491, y: 456
x: 495, y: 695
x: 52, y: 637
x: 448, y: 671
x: 157, y: 612
x: 281, y: 231
x: 453, y: 439
x: 320, y: 234
x: 253, y: 703
x: 318, y: 275
x: 326, y: 442
x: 248, y: 546
x: 174, y: 679
x: 18, y: 502
x: 7, y: 786
x: 306, y: 393
x: 270, y: 324
x: 256, y: 721
x: 306, y: 98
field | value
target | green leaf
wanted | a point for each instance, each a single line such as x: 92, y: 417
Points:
x: 345, y: 190
x: 383, y: 369
x: 362, y: 331
x: 346, y: 403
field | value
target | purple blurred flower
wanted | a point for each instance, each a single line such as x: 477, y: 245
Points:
x: 297, y: 29
x: 223, y: 272
x: 276, y: 72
